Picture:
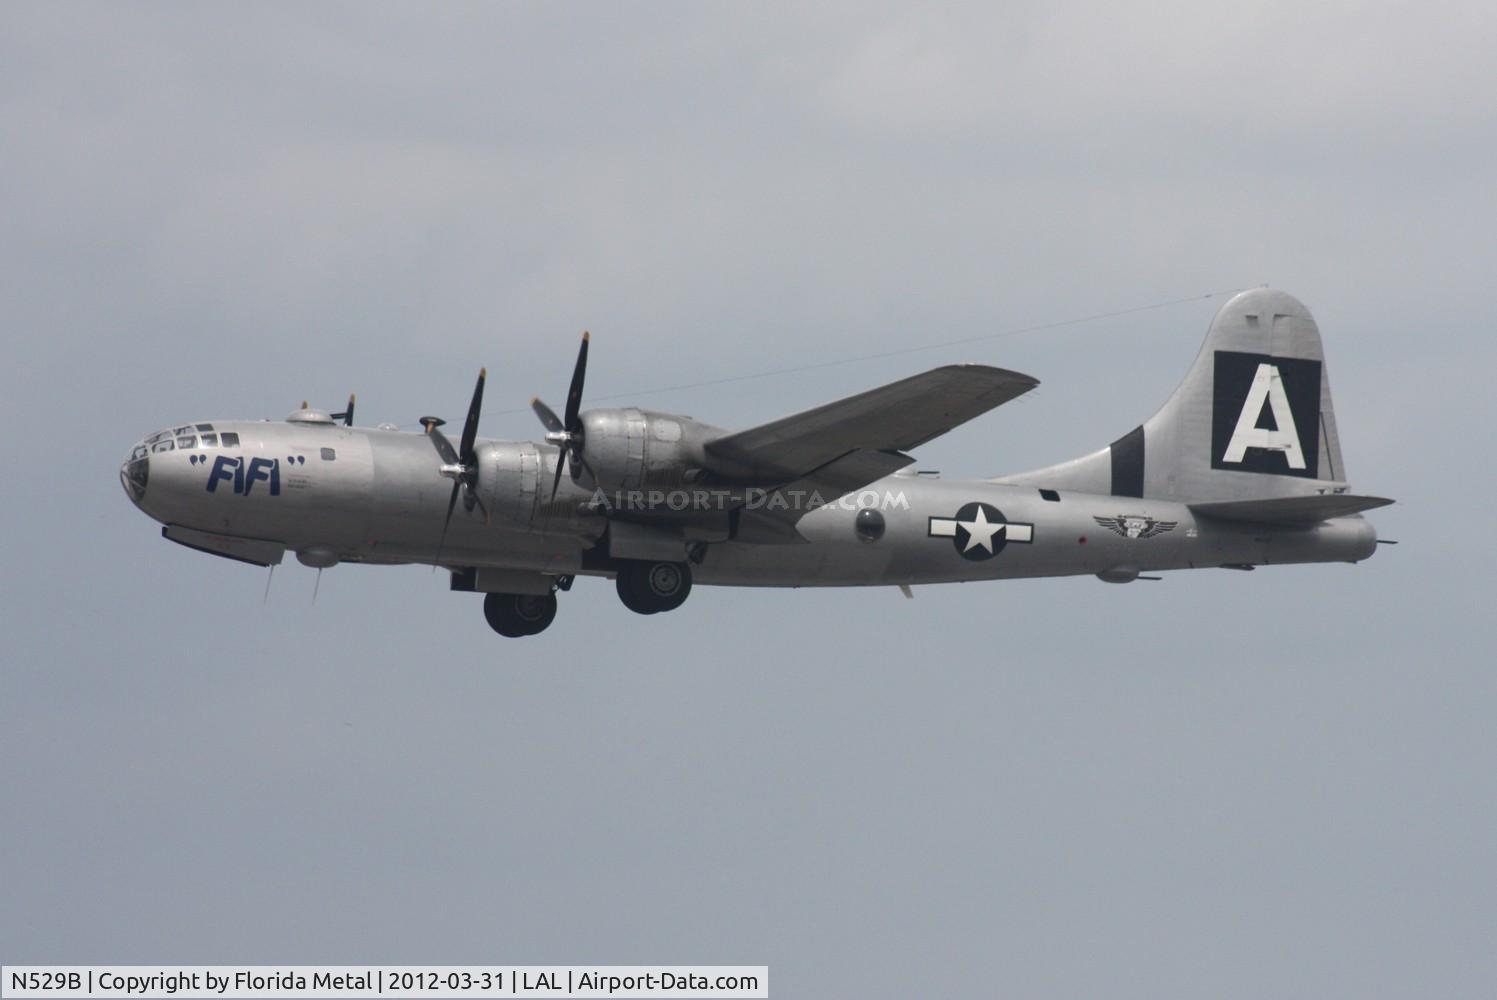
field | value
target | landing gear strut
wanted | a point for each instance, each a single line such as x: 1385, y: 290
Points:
x: 515, y: 615
x: 650, y: 587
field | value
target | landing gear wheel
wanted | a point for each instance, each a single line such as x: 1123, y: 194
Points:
x: 647, y: 588
x: 516, y: 615
x: 626, y: 594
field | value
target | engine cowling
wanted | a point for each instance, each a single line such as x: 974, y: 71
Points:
x: 631, y: 449
x: 509, y: 479
x: 514, y: 482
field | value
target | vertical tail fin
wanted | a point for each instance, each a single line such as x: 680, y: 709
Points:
x: 1253, y: 419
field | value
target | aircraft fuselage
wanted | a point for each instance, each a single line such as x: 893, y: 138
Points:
x: 339, y: 494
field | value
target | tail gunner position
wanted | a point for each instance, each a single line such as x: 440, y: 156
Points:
x: 1241, y: 468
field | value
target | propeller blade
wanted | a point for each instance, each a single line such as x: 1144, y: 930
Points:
x: 461, y: 463
x: 566, y: 431
x: 581, y: 459
x: 442, y: 544
x: 548, y: 416
x: 444, y: 448
x: 470, y: 426
x: 439, y: 440
x: 472, y: 495
x: 561, y: 461
x: 574, y: 394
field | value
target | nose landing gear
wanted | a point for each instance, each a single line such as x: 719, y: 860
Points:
x: 650, y: 587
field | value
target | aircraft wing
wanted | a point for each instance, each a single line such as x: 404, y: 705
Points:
x: 856, y: 440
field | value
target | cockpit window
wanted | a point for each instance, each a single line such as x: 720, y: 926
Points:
x: 184, y: 429
x: 139, y: 451
x: 205, y: 427
x: 209, y: 440
x: 158, y: 436
x: 186, y: 442
x: 229, y: 439
x: 166, y: 445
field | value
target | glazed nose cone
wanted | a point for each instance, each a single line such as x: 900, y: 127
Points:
x: 135, y: 476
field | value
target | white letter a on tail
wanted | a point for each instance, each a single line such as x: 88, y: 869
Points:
x: 1267, y: 385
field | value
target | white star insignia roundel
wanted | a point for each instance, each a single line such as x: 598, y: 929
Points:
x: 979, y: 531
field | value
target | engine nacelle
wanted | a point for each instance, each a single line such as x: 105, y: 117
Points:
x: 509, y: 480
x: 632, y: 449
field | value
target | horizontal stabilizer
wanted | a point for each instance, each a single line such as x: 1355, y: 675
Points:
x: 1290, y: 510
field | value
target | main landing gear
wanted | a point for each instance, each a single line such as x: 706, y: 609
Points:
x: 515, y: 615
x: 651, y: 587
x: 646, y: 588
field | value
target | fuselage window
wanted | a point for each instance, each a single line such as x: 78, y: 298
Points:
x: 166, y: 445
x: 328, y: 454
x: 229, y: 439
x: 210, y: 440
x: 186, y: 442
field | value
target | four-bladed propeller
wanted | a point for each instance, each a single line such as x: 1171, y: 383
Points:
x: 567, y: 433
x: 459, y: 464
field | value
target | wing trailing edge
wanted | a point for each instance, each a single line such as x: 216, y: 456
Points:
x: 889, y: 420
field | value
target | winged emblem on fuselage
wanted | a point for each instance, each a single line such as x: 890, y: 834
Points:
x: 1135, y: 525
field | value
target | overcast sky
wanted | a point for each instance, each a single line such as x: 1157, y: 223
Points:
x: 1279, y: 784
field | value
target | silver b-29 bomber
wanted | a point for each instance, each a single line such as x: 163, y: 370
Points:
x: 1241, y: 468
